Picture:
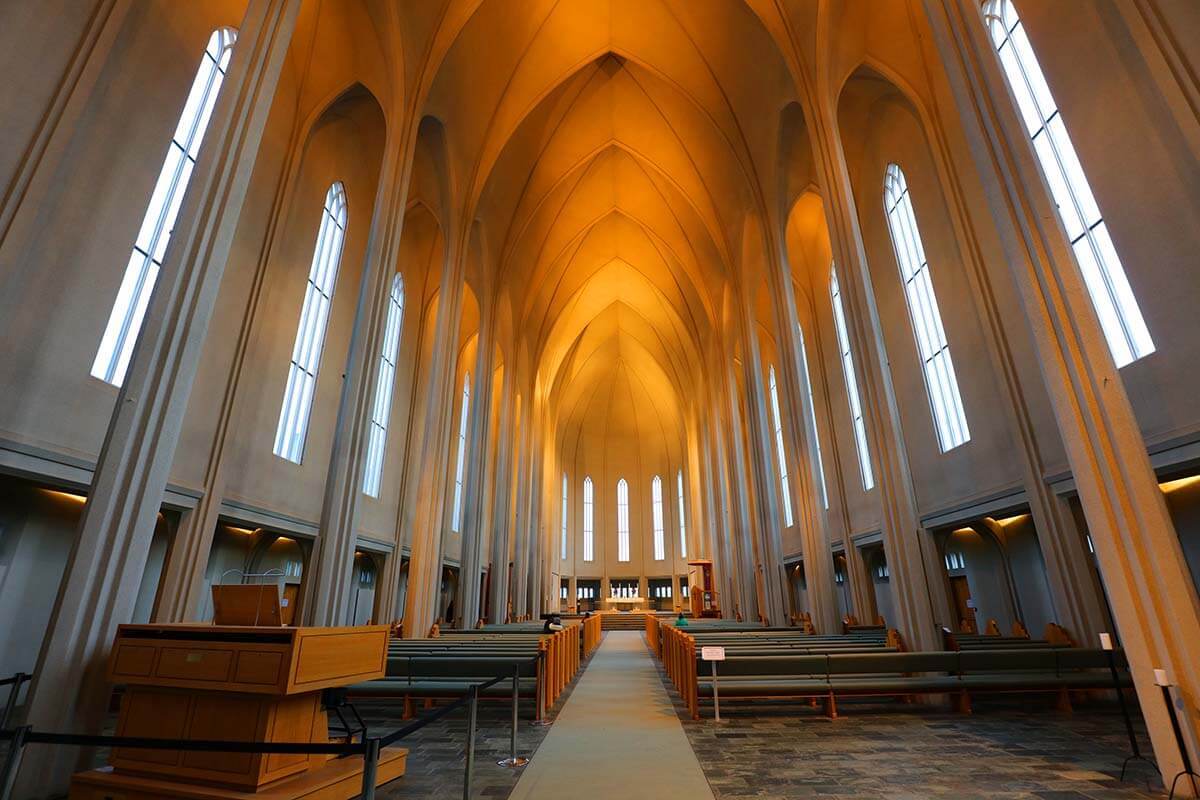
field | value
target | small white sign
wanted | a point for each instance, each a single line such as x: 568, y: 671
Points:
x: 712, y: 653
x: 1106, y: 642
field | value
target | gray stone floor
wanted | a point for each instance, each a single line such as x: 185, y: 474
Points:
x: 899, y: 752
x: 436, y: 753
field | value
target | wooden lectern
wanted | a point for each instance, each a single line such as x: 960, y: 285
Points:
x: 235, y: 683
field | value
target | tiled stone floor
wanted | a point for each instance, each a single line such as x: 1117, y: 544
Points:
x: 436, y: 753
x: 909, y: 753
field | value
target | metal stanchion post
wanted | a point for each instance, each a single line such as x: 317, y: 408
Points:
x: 716, y: 695
x: 13, y: 692
x: 12, y: 762
x: 1107, y: 646
x: 472, y: 704
x: 370, y: 768
x: 514, y: 760
x: 542, y: 711
x: 1160, y: 677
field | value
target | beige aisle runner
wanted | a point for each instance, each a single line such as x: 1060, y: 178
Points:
x: 617, y: 736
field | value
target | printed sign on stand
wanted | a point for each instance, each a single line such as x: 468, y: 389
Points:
x: 712, y: 653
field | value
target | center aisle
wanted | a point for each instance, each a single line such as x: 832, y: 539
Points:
x: 617, y: 736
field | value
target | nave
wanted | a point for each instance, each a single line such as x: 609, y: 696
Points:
x: 346, y: 343
x: 623, y: 731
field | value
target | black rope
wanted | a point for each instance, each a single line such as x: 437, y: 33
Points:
x: 218, y: 746
x: 19, y: 678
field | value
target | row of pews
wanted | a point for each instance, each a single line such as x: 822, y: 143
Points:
x: 787, y: 663
x: 422, y: 671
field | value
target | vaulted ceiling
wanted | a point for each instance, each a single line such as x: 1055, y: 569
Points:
x: 612, y: 153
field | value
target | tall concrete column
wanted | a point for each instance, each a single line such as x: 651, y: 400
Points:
x: 1078, y: 605
x: 794, y: 409
x: 429, y: 470
x: 740, y: 487
x: 104, y: 570
x: 724, y: 533
x: 330, y: 585
x: 764, y: 473
x: 911, y: 554
x: 1153, y: 598
x: 478, y: 449
x: 181, y: 587
x: 502, y: 501
x: 519, y: 589
x: 535, y: 541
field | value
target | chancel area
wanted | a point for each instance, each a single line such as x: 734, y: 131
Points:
x: 637, y: 398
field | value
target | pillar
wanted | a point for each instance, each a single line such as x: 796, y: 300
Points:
x: 911, y: 554
x: 478, y: 449
x: 104, y: 570
x: 799, y: 430
x: 740, y: 489
x: 764, y: 476
x: 1153, y: 598
x: 428, y: 470
x: 330, y: 584
x: 502, y: 501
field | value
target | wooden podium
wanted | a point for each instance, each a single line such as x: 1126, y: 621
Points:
x: 235, y: 683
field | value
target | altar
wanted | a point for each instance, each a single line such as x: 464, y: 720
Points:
x: 623, y: 604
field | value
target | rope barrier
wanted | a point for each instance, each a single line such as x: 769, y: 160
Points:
x: 369, y: 748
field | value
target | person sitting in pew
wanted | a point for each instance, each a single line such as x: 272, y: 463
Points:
x: 553, y: 624
x: 681, y: 621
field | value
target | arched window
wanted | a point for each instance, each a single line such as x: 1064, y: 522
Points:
x: 777, y: 421
x: 563, y: 544
x: 812, y: 416
x: 382, y: 409
x: 456, y: 517
x: 589, y: 520
x: 310, y: 332
x: 622, y: 520
x: 660, y: 528
x: 856, y: 410
x: 941, y: 383
x: 125, y: 320
x: 1120, y: 318
x: 682, y: 526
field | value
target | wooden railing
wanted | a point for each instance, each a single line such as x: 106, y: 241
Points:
x: 592, y: 633
x: 652, y: 637
x: 678, y: 653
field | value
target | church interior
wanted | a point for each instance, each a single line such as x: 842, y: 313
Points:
x: 603, y: 398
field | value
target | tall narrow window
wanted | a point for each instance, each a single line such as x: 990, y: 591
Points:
x: 125, y: 320
x: 941, y: 383
x: 456, y: 517
x: 1120, y: 318
x: 660, y: 527
x: 310, y: 332
x: 382, y: 408
x: 856, y: 410
x: 589, y: 521
x: 622, y: 520
x: 682, y: 526
x: 777, y: 421
x: 563, y: 543
x: 812, y: 417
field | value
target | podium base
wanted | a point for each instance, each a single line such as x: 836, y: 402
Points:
x: 339, y: 779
